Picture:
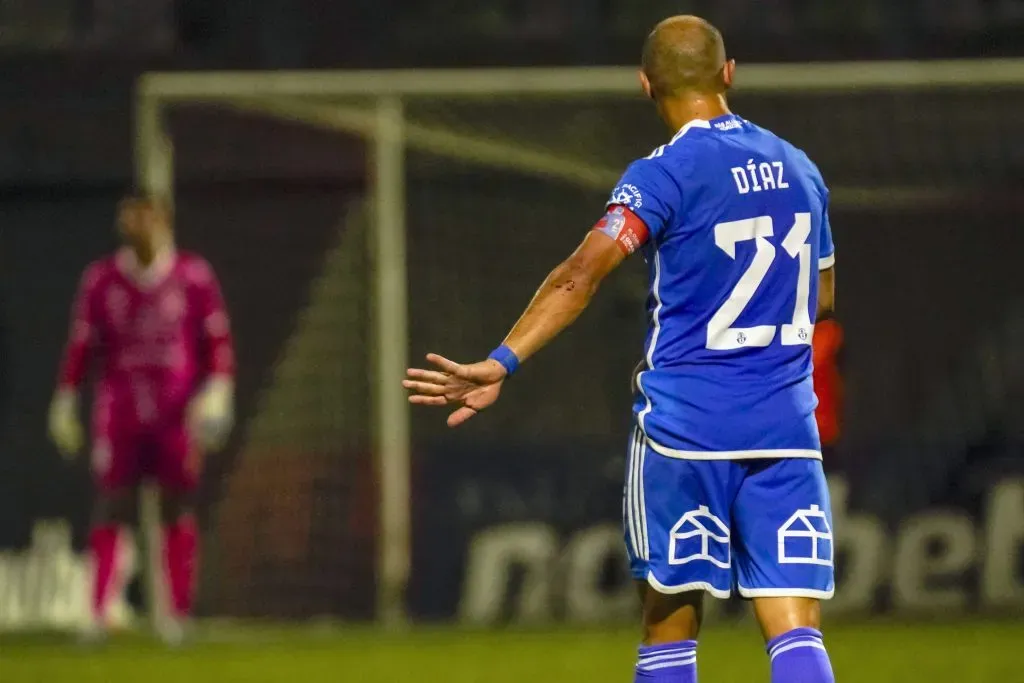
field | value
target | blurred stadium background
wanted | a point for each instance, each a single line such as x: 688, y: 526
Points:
x: 493, y: 554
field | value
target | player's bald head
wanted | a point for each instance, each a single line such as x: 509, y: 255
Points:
x: 684, y: 54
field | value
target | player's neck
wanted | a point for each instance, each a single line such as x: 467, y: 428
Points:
x: 679, y: 111
x: 147, y: 252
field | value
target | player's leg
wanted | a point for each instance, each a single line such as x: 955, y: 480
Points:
x: 784, y: 558
x: 114, y: 515
x: 778, y: 616
x: 178, y: 475
x: 669, y: 618
x: 671, y: 624
x: 180, y: 550
x: 677, y: 538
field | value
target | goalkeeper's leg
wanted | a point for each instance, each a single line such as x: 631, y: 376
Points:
x: 116, y: 472
x: 114, y: 514
x: 179, y: 467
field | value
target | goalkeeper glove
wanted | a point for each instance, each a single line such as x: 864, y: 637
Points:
x: 211, y: 414
x: 64, y: 426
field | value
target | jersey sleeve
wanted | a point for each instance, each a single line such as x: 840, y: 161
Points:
x: 83, y: 333
x: 826, y: 248
x: 649, y: 192
x: 214, y: 323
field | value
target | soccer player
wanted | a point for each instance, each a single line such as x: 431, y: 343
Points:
x: 724, y: 484
x: 152, y: 321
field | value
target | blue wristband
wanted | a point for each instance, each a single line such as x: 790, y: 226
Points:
x: 506, y: 357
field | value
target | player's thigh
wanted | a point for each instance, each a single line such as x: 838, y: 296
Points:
x: 116, y: 505
x: 116, y: 457
x: 177, y: 462
x: 782, y: 523
x: 676, y: 521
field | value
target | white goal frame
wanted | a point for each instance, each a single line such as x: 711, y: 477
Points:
x: 318, y: 98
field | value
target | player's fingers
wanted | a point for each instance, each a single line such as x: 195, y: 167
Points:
x: 427, y: 375
x: 448, y: 366
x: 460, y: 416
x: 427, y: 388
x: 421, y: 400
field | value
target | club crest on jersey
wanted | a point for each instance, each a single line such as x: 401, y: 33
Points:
x: 172, y: 305
x: 117, y: 306
x: 627, y: 195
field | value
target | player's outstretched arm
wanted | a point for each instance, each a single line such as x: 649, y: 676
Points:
x: 64, y: 425
x: 563, y: 295
x: 211, y: 411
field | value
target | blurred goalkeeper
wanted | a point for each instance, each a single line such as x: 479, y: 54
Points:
x: 153, y: 322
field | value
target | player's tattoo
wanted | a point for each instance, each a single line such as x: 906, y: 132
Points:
x: 568, y: 285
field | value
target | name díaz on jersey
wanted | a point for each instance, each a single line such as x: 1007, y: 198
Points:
x: 758, y: 177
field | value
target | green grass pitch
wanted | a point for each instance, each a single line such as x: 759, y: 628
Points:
x: 967, y: 652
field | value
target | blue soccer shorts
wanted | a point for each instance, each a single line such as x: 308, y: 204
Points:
x: 763, y: 526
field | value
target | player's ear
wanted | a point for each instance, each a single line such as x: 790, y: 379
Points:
x: 728, y: 72
x: 645, y: 83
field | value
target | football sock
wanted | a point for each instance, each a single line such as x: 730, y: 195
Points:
x: 180, y: 550
x: 103, y: 549
x: 668, y: 663
x: 799, y: 656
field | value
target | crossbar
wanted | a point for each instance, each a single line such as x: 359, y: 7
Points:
x: 821, y: 77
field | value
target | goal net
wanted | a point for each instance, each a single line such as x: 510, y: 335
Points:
x: 359, y: 219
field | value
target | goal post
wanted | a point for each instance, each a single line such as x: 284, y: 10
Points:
x: 375, y: 106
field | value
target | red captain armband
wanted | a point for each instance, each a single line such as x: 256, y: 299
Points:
x: 625, y: 227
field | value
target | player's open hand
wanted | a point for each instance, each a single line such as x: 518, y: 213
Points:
x: 472, y: 387
x: 64, y: 426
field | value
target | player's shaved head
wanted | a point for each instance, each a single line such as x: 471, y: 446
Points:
x: 684, y: 54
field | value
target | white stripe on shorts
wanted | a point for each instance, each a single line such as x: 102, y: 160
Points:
x: 645, y: 545
x: 631, y: 496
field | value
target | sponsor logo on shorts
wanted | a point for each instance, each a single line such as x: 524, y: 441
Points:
x: 806, y: 538
x: 699, y: 535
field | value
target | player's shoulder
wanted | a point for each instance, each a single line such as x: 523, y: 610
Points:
x: 98, y: 271
x: 678, y: 153
x: 193, y: 268
x: 794, y: 154
x: 644, y: 180
x: 664, y: 169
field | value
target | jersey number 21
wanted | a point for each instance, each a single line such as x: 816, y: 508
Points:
x: 721, y: 335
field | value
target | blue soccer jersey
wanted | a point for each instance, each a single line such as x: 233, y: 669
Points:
x: 724, y: 485
x: 738, y: 230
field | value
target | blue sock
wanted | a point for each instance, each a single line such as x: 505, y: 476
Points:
x: 799, y: 656
x: 668, y: 663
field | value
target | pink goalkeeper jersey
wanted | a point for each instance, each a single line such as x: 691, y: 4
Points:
x: 155, y: 334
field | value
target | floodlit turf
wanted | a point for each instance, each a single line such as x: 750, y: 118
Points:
x: 969, y: 652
